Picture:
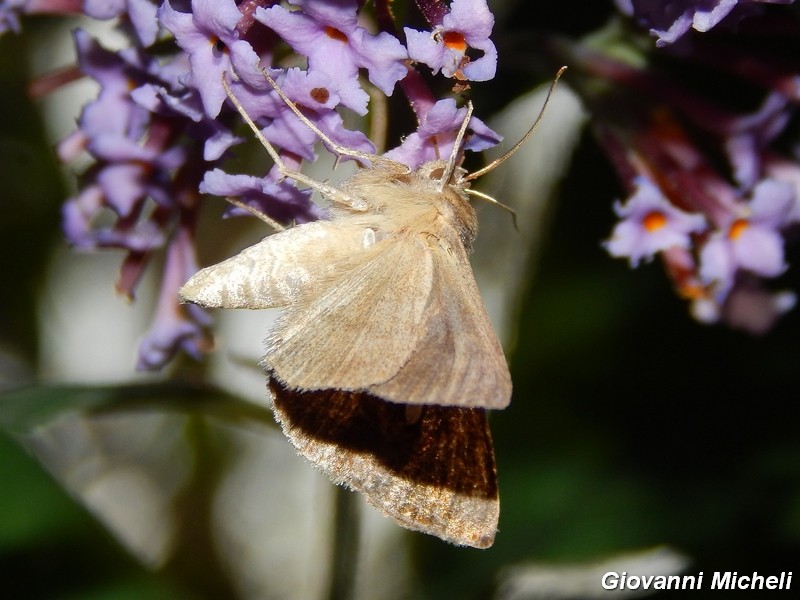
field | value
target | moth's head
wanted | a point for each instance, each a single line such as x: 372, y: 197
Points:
x: 450, y: 197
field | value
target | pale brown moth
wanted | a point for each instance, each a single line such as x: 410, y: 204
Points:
x: 383, y: 363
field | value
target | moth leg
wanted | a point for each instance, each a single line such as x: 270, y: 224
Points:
x: 256, y: 213
x: 333, y: 193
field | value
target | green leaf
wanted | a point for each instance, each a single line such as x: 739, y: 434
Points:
x: 25, y: 409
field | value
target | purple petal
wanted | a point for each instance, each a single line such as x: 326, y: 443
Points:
x: 217, y: 144
x: 717, y: 264
x: 760, y: 250
x: 382, y: 56
x: 142, y: 14
x: 423, y: 48
x: 773, y: 203
x: 472, y: 18
x: 341, y: 14
x: 484, y: 68
x: 705, y: 19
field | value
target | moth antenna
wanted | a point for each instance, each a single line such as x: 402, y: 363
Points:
x: 488, y: 198
x: 451, y: 163
x: 372, y: 158
x: 327, y: 190
x: 256, y: 213
x: 497, y: 162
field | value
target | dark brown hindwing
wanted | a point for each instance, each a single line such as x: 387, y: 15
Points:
x: 446, y: 447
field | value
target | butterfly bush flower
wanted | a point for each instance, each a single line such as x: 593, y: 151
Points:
x: 650, y: 224
x: 752, y: 241
x: 436, y: 135
x: 159, y: 131
x: 468, y: 25
x: 328, y: 34
x: 209, y: 36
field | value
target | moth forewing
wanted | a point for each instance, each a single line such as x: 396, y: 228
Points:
x: 278, y: 270
x: 408, y: 325
x: 458, y: 360
x: 361, y: 330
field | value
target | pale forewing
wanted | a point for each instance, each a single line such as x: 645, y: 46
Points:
x: 458, y: 360
x: 279, y: 269
x: 360, y: 331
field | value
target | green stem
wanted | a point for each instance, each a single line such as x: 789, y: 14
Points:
x: 347, y: 530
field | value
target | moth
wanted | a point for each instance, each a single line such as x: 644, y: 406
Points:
x: 383, y: 363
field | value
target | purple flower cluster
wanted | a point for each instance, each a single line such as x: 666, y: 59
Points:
x: 720, y: 229
x: 159, y: 130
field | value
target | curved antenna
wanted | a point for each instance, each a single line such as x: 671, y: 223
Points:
x: 499, y: 204
x: 497, y: 162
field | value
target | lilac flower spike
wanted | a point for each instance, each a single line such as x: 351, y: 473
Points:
x: 329, y: 35
x: 650, y: 224
x: 468, y: 25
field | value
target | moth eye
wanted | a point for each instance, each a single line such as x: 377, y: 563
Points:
x: 368, y: 238
x: 437, y: 173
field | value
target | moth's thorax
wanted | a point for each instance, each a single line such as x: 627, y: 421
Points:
x: 416, y: 198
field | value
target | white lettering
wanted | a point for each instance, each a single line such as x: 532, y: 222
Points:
x: 687, y: 582
x: 610, y: 580
x: 721, y: 581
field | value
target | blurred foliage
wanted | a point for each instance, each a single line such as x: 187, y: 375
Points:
x: 29, y: 203
x: 52, y: 548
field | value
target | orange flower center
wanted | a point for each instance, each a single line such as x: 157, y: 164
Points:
x: 454, y: 41
x: 654, y: 221
x: 737, y: 227
x: 335, y: 34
